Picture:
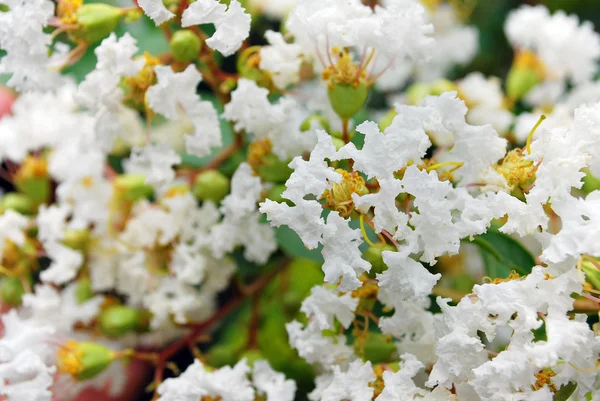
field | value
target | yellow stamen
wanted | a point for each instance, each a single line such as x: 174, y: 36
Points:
x: 440, y: 165
x: 69, y: 358
x: 530, y: 136
x: 366, y: 237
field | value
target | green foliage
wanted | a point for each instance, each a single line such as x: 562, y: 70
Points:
x: 565, y: 391
x: 502, y: 254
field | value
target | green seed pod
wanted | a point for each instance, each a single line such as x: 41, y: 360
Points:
x: 275, y: 194
x: 20, y: 203
x: 338, y: 143
x: 132, y: 187
x: 347, y: 99
x: 319, y: 118
x: 211, y: 185
x: 11, y: 291
x: 118, y: 320
x: 97, y: 21
x: 374, y: 256
x: 416, y: 93
x: 441, y: 86
x: 185, y: 46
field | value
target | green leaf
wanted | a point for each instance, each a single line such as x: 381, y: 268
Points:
x: 293, y: 246
x: 503, y: 254
x: 565, y: 391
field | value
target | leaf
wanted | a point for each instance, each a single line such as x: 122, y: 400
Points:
x: 565, y: 391
x: 293, y: 246
x: 503, y: 254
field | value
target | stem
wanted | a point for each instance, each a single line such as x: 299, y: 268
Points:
x: 254, y: 323
x: 345, y: 133
x: 199, y: 328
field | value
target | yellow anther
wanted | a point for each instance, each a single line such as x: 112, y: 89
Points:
x: 66, y: 10
x: 345, y: 71
x: 68, y: 359
x: 512, y: 276
x: 339, y: 197
x: 532, y: 132
x: 137, y: 85
x: 257, y: 152
x: 518, y: 171
x: 544, y: 378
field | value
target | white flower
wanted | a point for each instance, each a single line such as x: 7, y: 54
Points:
x: 155, y: 162
x: 232, y: 23
x: 323, y: 305
x: 454, y: 44
x: 405, y: 278
x: 251, y: 111
x: 343, y: 261
x: 100, y: 91
x: 486, y: 102
x: 567, y: 48
x: 227, y: 384
x: 61, y: 310
x: 397, y: 31
x: 317, y: 349
x: 383, y: 153
x: 26, y: 355
x: 12, y: 225
x: 156, y: 10
x: 281, y: 59
x: 352, y: 384
x: 178, y: 89
x: 65, y: 263
x: 271, y: 383
x: 399, y: 385
x: 27, y: 45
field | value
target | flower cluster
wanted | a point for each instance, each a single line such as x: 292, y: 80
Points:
x: 298, y: 194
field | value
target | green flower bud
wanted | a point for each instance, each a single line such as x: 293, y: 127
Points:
x: 18, y: 202
x: 441, y: 86
x: 83, y: 360
x: 378, y: 348
x: 77, y: 239
x: 11, y: 291
x: 118, y: 320
x: 374, y: 256
x: 211, y: 185
x: 319, y: 118
x: 592, y: 274
x: 275, y: 194
x: 416, y: 93
x: 97, y: 21
x: 348, y: 99
x: 185, y: 46
x: 132, y: 187
x: 33, y: 180
x: 272, y: 169
x: 83, y: 291
x: 338, y: 143
x: 519, y: 82
x: 387, y: 120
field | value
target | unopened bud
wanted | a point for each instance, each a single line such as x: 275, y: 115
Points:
x: 378, y: 348
x: 118, y: 320
x: 20, y: 203
x: 387, y: 120
x: 185, y: 46
x: 83, y: 360
x: 32, y: 179
x: 374, y: 256
x: 97, y: 21
x: 76, y: 239
x: 132, y: 187
x: 83, y: 290
x: 211, y: 185
x: 11, y: 291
